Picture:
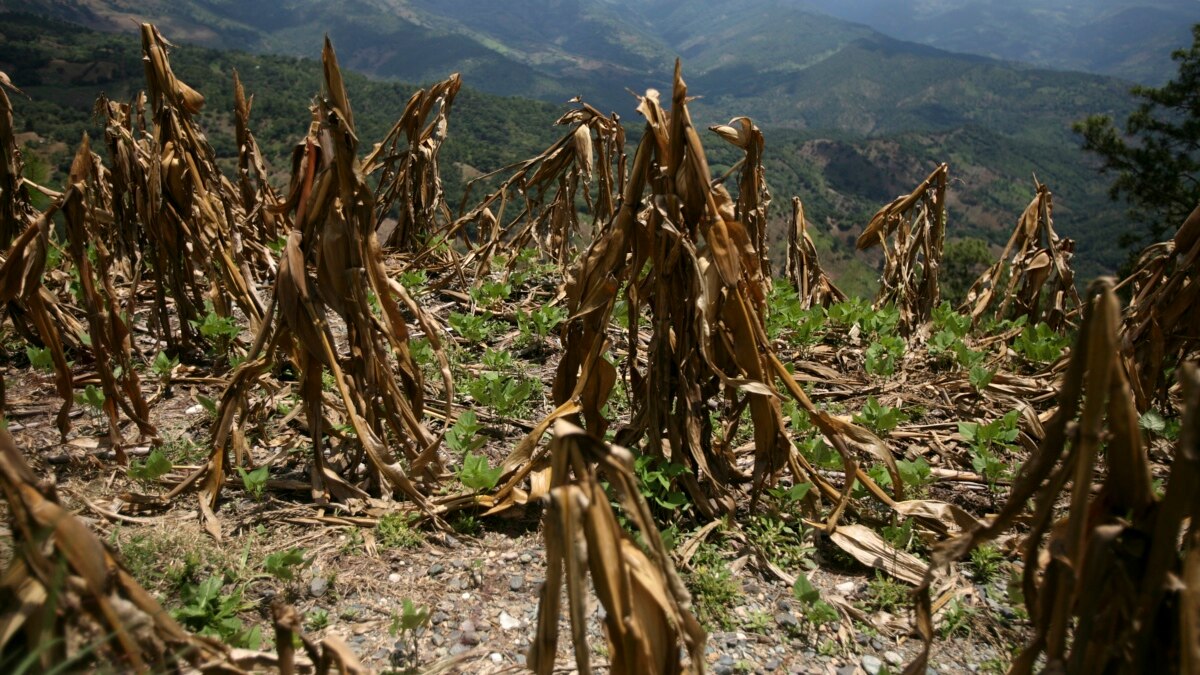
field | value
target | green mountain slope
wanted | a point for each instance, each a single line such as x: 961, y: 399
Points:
x: 834, y: 150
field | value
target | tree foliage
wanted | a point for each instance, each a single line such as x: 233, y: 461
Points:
x: 1156, y: 157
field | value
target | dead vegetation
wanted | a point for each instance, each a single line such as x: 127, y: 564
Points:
x: 314, y: 316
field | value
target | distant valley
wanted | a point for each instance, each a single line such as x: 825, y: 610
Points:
x: 851, y: 116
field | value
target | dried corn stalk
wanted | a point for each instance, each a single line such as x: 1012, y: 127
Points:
x: 647, y: 608
x: 1108, y: 584
x: 26, y: 299
x: 16, y: 212
x: 813, y: 286
x: 332, y: 263
x: 1034, y: 270
x: 134, y: 189
x: 195, y: 221
x: 915, y: 224
x: 67, y: 601
x: 85, y: 205
x: 1162, y: 324
x: 561, y: 170
x: 408, y: 161
x: 265, y: 222
x: 754, y: 198
x: 681, y: 254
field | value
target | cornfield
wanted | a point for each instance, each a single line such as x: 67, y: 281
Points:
x: 325, y: 317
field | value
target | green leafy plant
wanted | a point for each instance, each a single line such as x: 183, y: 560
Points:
x: 986, y: 561
x: 394, y: 530
x: 945, y: 318
x: 656, y: 477
x: 915, y: 473
x: 986, y: 439
x: 1039, y: 344
x: 255, y: 482
x: 283, y: 564
x: 498, y: 360
x: 208, y: 611
x: 883, y: 355
x: 787, y: 318
x: 163, y: 366
x: 91, y: 397
x: 155, y: 466
x: 491, y: 293
x: 816, y: 611
x: 406, y: 626
x: 220, y: 331
x: 502, y: 393
x: 477, y: 474
x: 413, y: 280
x: 784, y: 544
x: 317, y: 619
x: 463, y: 436
x: 40, y: 358
x: 541, y: 322
x: 880, y: 418
x: 884, y: 594
x: 475, y: 328
x: 714, y: 590
x: 1153, y: 422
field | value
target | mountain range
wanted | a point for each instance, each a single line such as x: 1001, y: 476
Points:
x: 851, y: 115
x: 1131, y: 39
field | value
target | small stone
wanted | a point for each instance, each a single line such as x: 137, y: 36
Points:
x: 771, y: 664
x: 438, y: 618
x: 194, y: 410
x: 520, y: 658
x: 786, y: 620
x: 847, y: 670
x: 467, y: 626
x: 394, y: 578
x: 436, y: 569
x: 508, y: 555
x: 507, y: 622
x: 526, y: 558
x: 871, y: 664
x: 845, y: 588
x: 496, y: 658
x: 318, y: 586
x: 725, y: 659
x: 876, y: 644
x: 516, y: 582
x: 459, y: 648
x: 449, y: 541
x: 437, y: 639
x: 471, y: 638
x: 893, y: 658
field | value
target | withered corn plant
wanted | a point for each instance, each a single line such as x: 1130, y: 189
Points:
x: 1033, y: 277
x: 679, y: 254
x: 1110, y: 574
x: 911, y: 232
x: 803, y: 269
x: 193, y: 217
x: 1162, y: 324
x: 27, y: 301
x: 16, y: 211
x: 648, y: 616
x: 564, y: 171
x: 332, y: 266
x: 265, y: 221
x: 754, y: 198
x: 85, y: 205
x: 410, y: 205
x: 67, y: 601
